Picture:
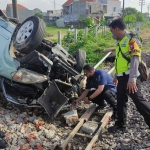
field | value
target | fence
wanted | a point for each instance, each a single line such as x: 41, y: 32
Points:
x: 86, y: 30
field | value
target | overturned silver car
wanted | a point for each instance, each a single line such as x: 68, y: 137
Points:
x: 36, y: 72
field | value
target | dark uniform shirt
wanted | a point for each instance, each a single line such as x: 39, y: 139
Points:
x: 100, y: 77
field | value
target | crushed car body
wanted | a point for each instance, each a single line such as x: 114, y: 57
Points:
x: 36, y: 72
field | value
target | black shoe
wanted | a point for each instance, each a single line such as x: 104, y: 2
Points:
x: 114, y: 116
x: 102, y: 105
x: 2, y: 134
x: 3, y: 144
x: 118, y: 126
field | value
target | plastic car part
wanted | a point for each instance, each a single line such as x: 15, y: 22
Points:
x: 29, y: 35
x: 52, y: 100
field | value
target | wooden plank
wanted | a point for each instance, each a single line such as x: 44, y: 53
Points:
x: 96, y: 33
x: 86, y: 31
x: 89, y: 112
x: 75, y: 35
x: 106, y: 114
x: 104, y: 123
x: 59, y: 37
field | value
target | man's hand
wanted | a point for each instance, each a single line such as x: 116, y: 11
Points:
x: 86, y: 100
x: 73, y: 104
x: 131, y: 86
x: 115, y: 81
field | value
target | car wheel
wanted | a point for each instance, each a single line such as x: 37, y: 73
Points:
x: 29, y: 35
x: 80, y: 57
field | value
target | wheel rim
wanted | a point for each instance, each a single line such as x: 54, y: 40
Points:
x: 25, y: 31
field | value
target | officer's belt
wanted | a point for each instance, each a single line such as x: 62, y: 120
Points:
x: 123, y: 74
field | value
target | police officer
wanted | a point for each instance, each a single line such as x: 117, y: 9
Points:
x: 127, y: 74
x: 99, y: 87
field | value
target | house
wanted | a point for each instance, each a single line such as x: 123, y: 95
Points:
x: 75, y: 9
x: 4, y: 11
x: 111, y: 8
x: 52, y: 15
x: 23, y: 12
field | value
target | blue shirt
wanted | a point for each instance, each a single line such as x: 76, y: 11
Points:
x: 100, y: 77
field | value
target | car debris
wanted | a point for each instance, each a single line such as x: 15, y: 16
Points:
x: 71, y: 117
x: 34, y: 71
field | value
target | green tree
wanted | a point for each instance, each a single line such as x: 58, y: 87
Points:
x: 129, y: 11
x: 130, y: 18
x: 85, y: 22
x: 140, y: 17
x: 146, y: 15
x: 102, y: 20
x: 132, y: 15
x: 40, y: 15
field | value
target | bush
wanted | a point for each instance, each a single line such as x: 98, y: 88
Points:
x: 93, y: 46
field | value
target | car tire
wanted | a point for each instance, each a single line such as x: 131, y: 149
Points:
x: 80, y: 57
x: 29, y: 35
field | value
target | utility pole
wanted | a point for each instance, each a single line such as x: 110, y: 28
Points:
x: 123, y: 9
x: 54, y: 5
x: 15, y: 9
x: 148, y: 11
x: 141, y: 2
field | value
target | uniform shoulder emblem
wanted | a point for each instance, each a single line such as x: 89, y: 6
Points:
x: 131, y: 44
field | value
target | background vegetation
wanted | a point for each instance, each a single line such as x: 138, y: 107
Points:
x: 95, y: 46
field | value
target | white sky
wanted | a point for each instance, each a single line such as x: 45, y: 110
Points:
x: 45, y: 5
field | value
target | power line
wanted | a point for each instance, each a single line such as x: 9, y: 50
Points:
x: 135, y: 3
x: 123, y: 9
x: 148, y: 9
x: 54, y: 2
x: 142, y: 2
x: 54, y: 5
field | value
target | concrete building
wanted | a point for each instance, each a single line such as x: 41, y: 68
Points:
x: 23, y: 12
x: 74, y: 9
x: 52, y: 15
x: 111, y: 8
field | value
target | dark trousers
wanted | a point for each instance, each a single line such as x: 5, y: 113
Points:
x: 122, y: 97
x: 109, y: 96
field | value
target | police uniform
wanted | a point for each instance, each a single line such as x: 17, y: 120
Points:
x: 128, y: 72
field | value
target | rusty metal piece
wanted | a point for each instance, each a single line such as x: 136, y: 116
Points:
x: 85, y: 139
x: 68, y: 147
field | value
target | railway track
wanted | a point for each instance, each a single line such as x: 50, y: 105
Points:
x: 84, y: 119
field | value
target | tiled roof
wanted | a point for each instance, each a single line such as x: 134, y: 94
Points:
x: 4, y: 11
x: 18, y: 6
x: 68, y: 2
x: 87, y: 0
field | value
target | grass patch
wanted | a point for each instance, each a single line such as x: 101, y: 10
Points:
x: 145, y: 35
x: 53, y: 30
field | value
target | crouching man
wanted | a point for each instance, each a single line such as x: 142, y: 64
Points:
x: 99, y: 87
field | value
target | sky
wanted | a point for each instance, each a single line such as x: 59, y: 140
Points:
x: 45, y: 5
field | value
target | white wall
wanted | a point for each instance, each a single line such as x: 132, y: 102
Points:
x: 111, y: 5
